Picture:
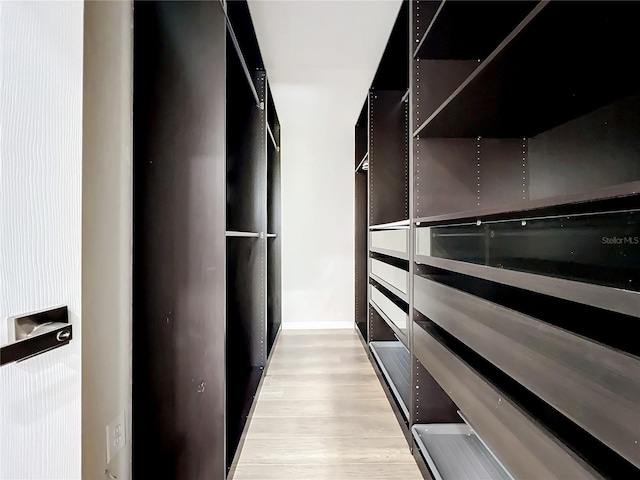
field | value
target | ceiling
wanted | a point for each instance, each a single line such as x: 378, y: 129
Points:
x: 331, y: 47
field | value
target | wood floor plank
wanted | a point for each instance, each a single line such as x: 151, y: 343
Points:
x: 292, y: 360
x: 332, y: 331
x: 318, y: 341
x: 360, y: 471
x: 327, y: 378
x: 313, y: 427
x: 345, y: 406
x: 336, y: 450
x: 319, y: 392
x: 293, y: 352
x: 283, y: 367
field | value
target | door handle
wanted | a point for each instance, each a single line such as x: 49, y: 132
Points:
x: 36, y: 333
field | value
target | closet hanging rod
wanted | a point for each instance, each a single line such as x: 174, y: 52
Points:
x: 273, y: 139
x: 242, y: 234
x: 234, y: 39
x: 402, y: 224
x: 366, y: 155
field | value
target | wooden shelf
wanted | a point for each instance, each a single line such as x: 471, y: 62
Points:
x: 601, y: 199
x: 393, y: 360
x: 563, y: 61
x: 390, y: 253
x: 453, y: 451
x: 455, y: 22
x: 617, y: 300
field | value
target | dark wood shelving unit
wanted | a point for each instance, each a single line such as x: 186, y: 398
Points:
x: 521, y: 236
x: 207, y: 235
x: 522, y: 164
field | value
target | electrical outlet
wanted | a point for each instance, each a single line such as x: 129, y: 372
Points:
x: 116, y: 436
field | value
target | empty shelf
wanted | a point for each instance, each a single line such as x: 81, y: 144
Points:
x: 393, y: 358
x: 454, y: 451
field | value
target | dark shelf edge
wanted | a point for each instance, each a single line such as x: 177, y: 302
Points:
x: 273, y: 139
x: 402, y: 337
x: 245, y: 68
x: 608, y: 298
x: 401, y: 295
x: 488, y: 61
x: 390, y: 253
x: 404, y: 424
x: 600, y: 194
x: 420, y: 460
x: 245, y: 430
x: 428, y: 30
x: 360, y: 336
x: 389, y: 380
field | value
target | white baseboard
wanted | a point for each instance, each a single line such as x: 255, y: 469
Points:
x: 317, y: 325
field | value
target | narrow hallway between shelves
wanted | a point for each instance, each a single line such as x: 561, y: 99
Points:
x: 322, y: 414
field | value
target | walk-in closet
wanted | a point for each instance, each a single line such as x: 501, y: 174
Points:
x: 320, y: 240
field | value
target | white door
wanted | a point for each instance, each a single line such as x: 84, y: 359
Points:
x: 41, y: 53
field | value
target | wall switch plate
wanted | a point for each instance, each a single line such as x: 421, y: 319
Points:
x: 116, y: 436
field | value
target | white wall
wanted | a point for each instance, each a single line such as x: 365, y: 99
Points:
x: 321, y: 57
x: 106, y: 233
x: 317, y: 207
x: 40, y: 231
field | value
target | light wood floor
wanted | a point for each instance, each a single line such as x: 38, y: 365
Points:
x: 322, y: 414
